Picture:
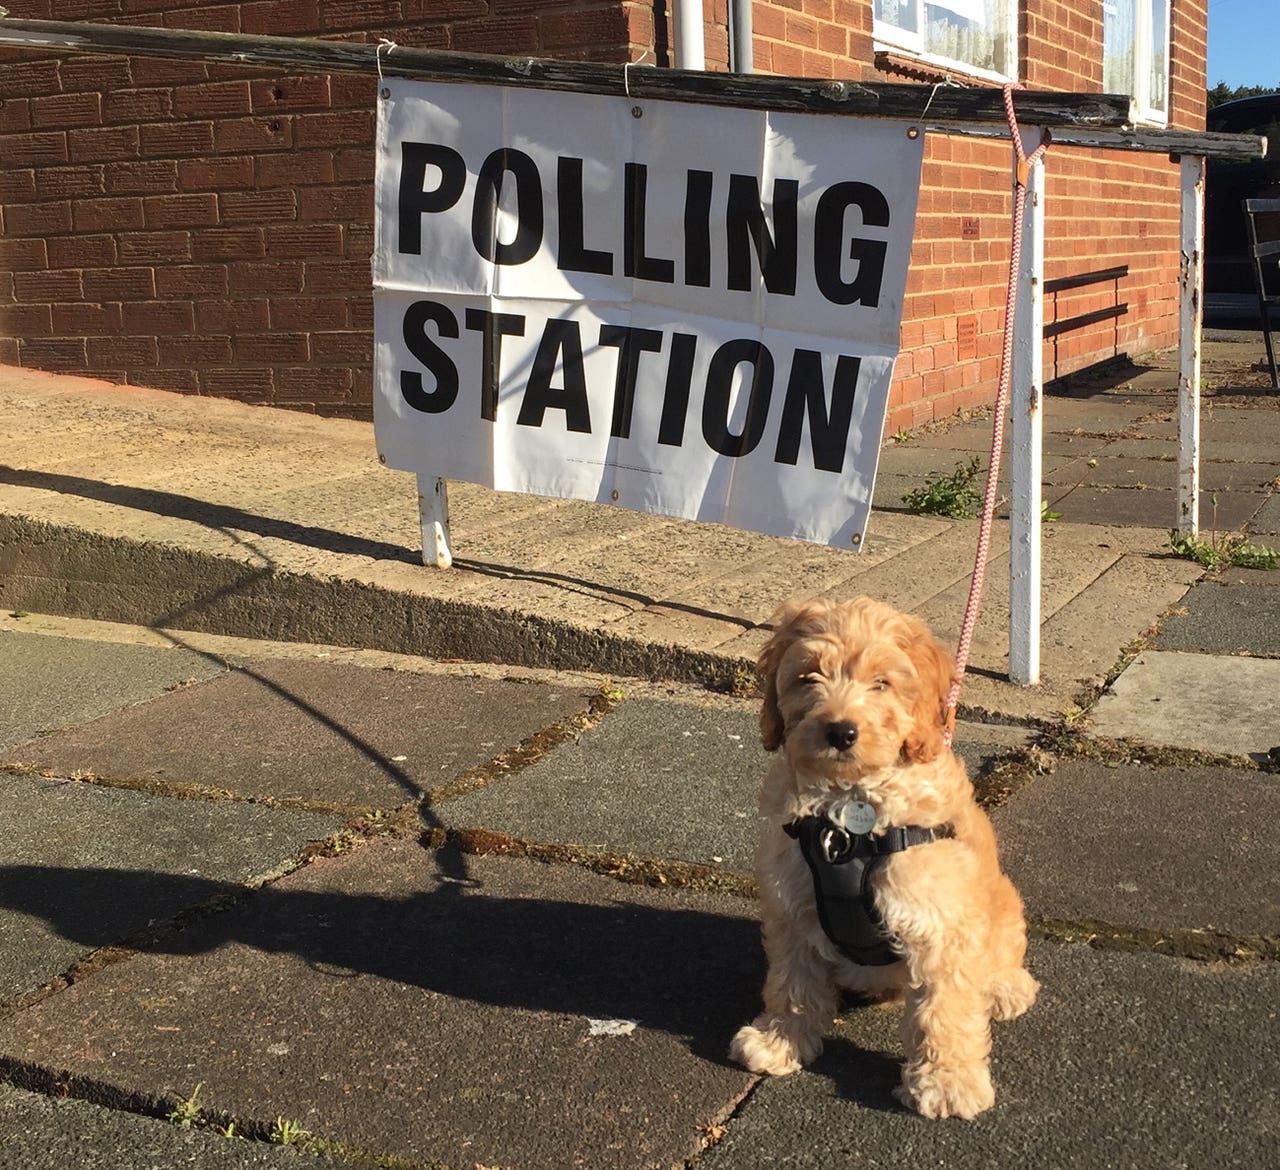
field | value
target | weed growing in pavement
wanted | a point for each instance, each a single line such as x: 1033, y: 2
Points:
x: 186, y: 1114
x: 288, y: 1133
x: 1231, y: 550
x: 952, y: 495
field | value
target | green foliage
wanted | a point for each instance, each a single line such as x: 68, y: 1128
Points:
x: 952, y: 495
x: 1224, y: 93
x: 186, y: 1114
x: 1231, y: 550
x: 288, y: 1133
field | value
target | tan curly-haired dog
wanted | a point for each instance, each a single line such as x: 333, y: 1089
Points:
x: 854, y: 705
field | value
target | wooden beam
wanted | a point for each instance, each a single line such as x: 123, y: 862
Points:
x: 798, y: 94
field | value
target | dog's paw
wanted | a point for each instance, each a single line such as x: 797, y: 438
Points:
x: 1012, y: 994
x: 947, y: 1092
x: 763, y: 1047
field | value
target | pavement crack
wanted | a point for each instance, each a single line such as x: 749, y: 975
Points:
x: 1177, y: 942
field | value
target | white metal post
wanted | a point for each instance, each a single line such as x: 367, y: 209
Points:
x: 1190, y: 297
x: 687, y: 28
x: 1027, y: 434
x: 433, y: 512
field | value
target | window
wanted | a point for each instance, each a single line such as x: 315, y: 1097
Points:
x: 977, y: 36
x: 1135, y: 54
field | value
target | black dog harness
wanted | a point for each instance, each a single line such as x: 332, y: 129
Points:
x: 842, y: 864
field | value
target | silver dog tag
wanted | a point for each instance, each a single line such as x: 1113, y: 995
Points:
x: 857, y: 817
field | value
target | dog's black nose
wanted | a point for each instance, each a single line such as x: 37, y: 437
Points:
x: 842, y: 736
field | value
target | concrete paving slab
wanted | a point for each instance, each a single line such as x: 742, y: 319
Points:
x: 1266, y: 522
x: 312, y: 731
x: 1154, y: 507
x: 1139, y: 846
x: 1206, y: 702
x: 1222, y: 618
x: 48, y: 682
x: 1126, y: 1061
x: 656, y: 779
x: 463, y: 1011
x: 56, y: 1133
x: 104, y: 863
x: 1158, y: 473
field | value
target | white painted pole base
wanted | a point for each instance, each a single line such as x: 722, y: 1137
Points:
x: 1190, y: 298
x: 433, y: 512
x: 1027, y: 435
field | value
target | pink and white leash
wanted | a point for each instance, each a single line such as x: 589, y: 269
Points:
x: 1022, y: 171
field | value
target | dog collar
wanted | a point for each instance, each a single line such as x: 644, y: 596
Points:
x: 842, y: 864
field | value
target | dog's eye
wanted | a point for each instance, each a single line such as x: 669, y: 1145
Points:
x: 880, y: 684
x: 809, y: 680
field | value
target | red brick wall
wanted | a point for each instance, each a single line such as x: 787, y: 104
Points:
x: 207, y: 229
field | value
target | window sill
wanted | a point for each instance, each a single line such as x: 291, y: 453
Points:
x: 918, y: 67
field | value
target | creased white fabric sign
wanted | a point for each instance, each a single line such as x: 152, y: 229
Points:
x: 673, y: 308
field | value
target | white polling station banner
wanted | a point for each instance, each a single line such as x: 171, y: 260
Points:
x: 674, y: 308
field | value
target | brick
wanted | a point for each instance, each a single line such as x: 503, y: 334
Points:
x: 212, y: 99
x: 353, y: 204
x: 167, y: 211
x: 233, y: 317
x: 37, y: 149
x: 280, y: 17
x: 345, y: 348
x: 228, y: 244
x: 126, y: 353
x: 224, y: 18
x: 66, y: 110
x: 360, y: 310
x: 25, y: 78
x: 340, y: 128
x: 154, y: 246
x: 18, y: 185
x: 309, y: 92
x: 164, y: 70
x: 170, y: 139
x: 358, y: 90
x: 337, y: 15
x: 297, y: 168
x: 348, y: 276
x: 193, y: 351
x: 102, y: 144
x: 242, y: 382
x: 141, y: 177
x: 287, y: 241
x: 98, y: 74
x: 87, y: 320
x: 359, y: 237
x: 38, y: 219
x: 271, y: 277
x: 250, y: 134
x: 53, y: 353
x: 354, y: 166
x: 158, y: 317
x: 184, y: 280
x: 215, y: 174
x: 118, y: 284
x: 138, y: 105
x: 60, y: 182
x: 10, y: 354
x: 15, y: 114
x: 107, y: 214
x: 272, y: 348
x: 309, y: 313
x: 258, y: 206
x: 515, y: 35
x: 26, y: 320
x: 313, y: 381
x: 25, y: 255
x: 177, y: 381
x: 81, y: 251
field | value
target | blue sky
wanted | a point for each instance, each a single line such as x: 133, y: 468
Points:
x: 1244, y: 42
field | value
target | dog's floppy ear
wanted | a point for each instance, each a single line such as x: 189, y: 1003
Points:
x: 788, y: 624
x: 928, y: 717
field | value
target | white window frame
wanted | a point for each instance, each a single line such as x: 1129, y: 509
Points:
x: 894, y: 39
x: 1145, y: 37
